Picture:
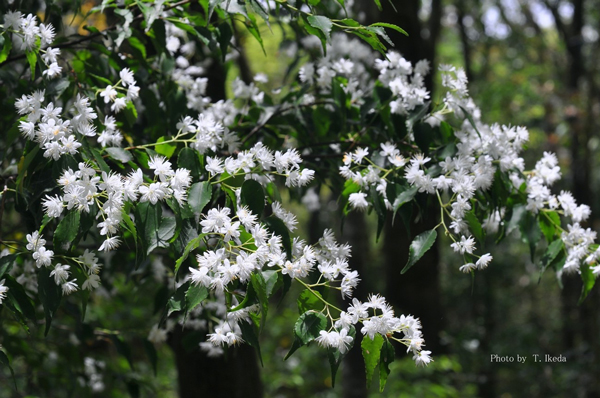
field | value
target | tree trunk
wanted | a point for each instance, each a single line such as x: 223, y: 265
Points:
x: 234, y: 375
x: 237, y: 374
x: 357, y: 234
x: 417, y: 292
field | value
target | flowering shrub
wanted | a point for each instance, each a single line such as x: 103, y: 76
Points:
x: 119, y: 147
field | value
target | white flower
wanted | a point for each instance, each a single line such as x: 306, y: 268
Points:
x: 465, y: 245
x: 35, y: 241
x: 214, y: 165
x: 358, y: 200
x: 161, y: 167
x: 3, y: 290
x: 13, y: 20
x: 484, y: 261
x: 181, y: 179
x: 153, y: 193
x: 157, y: 335
x: 47, y: 34
x: 70, y: 145
x: 109, y: 94
x: 69, y: 287
x: 92, y: 282
x: 467, y: 268
x: 53, y: 70
x: 110, y: 244
x: 60, y: 273
x: 261, y: 78
x: 126, y: 76
x: 43, y: 257
x: 119, y: 104
x: 133, y: 92
x: 422, y: 358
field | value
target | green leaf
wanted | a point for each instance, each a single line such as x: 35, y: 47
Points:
x: 295, y: 345
x: 50, y: 295
x: 24, y: 164
x: 199, y: 196
x: 446, y: 131
x: 378, y: 30
x: 475, y: 226
x: 6, y: 362
x: 310, y: 300
x: 418, y: 247
x: 192, y: 245
x: 530, y: 232
x: 19, y: 298
x: 309, y: 325
x: 32, y: 59
x: 277, y: 226
x: 322, y: 23
x: 166, y: 231
x: 147, y: 222
x: 119, y: 154
x: 224, y: 38
x: 404, y: 197
x: 272, y: 281
x: 260, y: 287
x: 67, y: 230
x: 424, y: 135
x: 7, y: 46
x: 388, y: 355
x: 194, y: 296
x: 188, y: 159
x: 253, y: 195
x: 6, y: 263
x: 548, y: 222
x: 335, y: 356
x: 167, y: 149
x: 130, y: 113
x: 178, y: 299
x: 380, y: 209
x: 589, y: 279
x: 390, y: 26
x: 552, y: 252
x: 371, y: 351
x: 249, y: 299
x: 250, y: 335
x: 138, y: 45
x: 253, y: 28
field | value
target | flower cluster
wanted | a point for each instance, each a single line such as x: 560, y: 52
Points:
x: 61, y: 273
x: 45, y: 125
x: 405, y: 82
x: 41, y: 255
x: 84, y: 188
x: 383, y: 323
x: 123, y: 92
x: 208, y: 132
x: 259, y: 161
x: 27, y: 35
x: 481, y: 152
x: 234, y: 259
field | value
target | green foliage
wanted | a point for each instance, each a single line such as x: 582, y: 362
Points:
x: 371, y: 351
x: 419, y: 246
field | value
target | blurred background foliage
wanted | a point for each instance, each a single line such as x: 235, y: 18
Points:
x: 531, y: 63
